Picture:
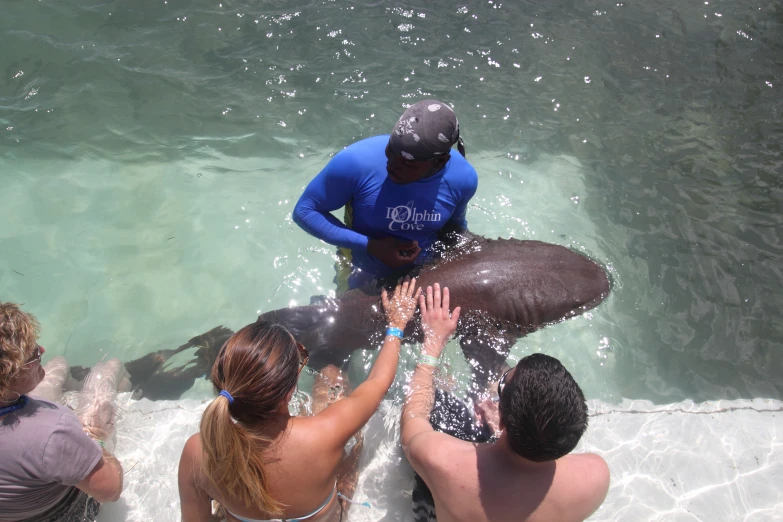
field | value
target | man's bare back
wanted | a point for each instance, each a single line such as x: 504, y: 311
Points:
x: 527, y: 474
x: 488, y: 482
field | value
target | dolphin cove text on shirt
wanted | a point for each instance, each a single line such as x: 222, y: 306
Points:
x: 407, y: 217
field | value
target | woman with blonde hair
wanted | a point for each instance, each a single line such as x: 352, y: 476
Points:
x: 51, y: 469
x: 256, y: 460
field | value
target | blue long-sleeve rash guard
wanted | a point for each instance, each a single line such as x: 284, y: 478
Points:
x: 376, y: 207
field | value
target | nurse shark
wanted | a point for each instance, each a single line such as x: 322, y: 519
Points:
x: 506, y: 288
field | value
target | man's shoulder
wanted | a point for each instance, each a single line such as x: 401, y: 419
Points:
x: 436, y: 450
x: 461, y: 173
x: 587, y: 461
x: 373, y: 147
x: 361, y: 158
x: 590, y: 472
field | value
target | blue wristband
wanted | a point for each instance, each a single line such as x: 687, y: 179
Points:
x: 396, y: 332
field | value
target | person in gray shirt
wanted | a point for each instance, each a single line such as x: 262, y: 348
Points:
x: 51, y: 469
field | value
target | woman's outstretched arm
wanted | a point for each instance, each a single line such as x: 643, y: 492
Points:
x: 347, y: 416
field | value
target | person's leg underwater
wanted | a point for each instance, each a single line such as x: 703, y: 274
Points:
x: 97, y: 401
x: 51, y: 387
x: 331, y: 384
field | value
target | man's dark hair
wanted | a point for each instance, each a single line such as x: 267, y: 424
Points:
x: 543, y: 409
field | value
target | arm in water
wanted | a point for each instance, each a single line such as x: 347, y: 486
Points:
x: 347, y: 416
x: 439, y: 325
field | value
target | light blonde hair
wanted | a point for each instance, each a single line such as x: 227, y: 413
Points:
x: 258, y: 366
x: 18, y: 336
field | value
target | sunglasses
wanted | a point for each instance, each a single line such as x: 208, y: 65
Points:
x: 35, y: 358
x: 502, y: 382
x: 303, y: 357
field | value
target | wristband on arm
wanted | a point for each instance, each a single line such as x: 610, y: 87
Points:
x: 429, y: 360
x: 395, y: 332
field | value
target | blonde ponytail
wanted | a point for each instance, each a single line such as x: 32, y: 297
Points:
x: 255, y: 371
x: 232, y: 458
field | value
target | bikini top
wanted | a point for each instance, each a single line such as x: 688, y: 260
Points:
x: 314, y: 513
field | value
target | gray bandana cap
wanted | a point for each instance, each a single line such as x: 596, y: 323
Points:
x: 426, y: 130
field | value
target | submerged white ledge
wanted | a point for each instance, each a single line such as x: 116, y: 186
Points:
x: 711, y: 461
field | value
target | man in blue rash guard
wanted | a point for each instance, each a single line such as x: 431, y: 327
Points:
x: 399, y: 192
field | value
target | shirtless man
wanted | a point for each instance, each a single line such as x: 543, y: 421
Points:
x: 527, y: 474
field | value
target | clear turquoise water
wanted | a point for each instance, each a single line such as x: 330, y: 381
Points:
x: 151, y: 153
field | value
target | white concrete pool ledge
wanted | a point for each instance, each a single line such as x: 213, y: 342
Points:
x: 711, y: 461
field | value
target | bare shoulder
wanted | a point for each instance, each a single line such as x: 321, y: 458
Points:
x: 320, y: 431
x: 191, y: 454
x: 192, y: 446
x: 436, y: 451
x: 592, y: 473
x: 591, y: 464
x: 313, y: 444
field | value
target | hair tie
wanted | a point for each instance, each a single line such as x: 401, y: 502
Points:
x: 228, y: 396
